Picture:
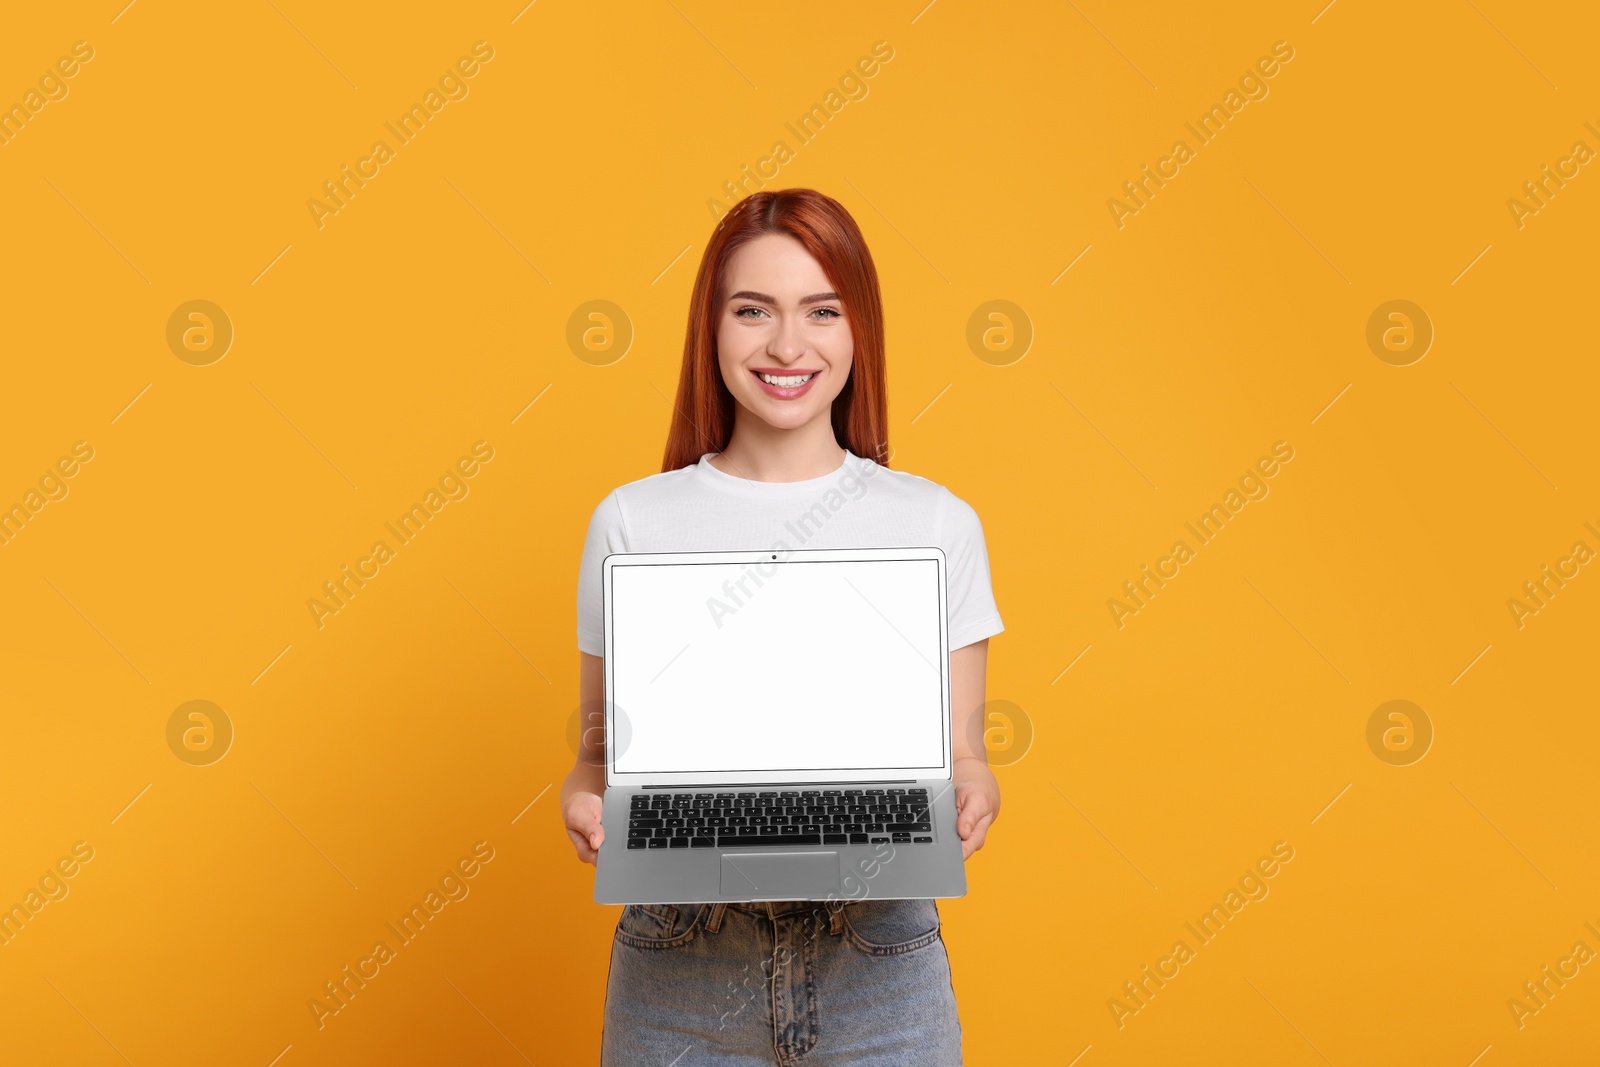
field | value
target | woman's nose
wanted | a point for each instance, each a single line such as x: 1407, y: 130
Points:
x: 787, y: 343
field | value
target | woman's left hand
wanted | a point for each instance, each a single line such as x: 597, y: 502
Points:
x: 977, y: 803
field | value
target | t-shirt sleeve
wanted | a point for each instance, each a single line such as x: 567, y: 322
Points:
x: 973, y: 614
x: 607, y: 534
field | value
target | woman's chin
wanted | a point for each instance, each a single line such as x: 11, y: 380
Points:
x: 786, y: 417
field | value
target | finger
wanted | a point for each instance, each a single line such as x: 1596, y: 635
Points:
x: 581, y: 844
x: 975, y: 839
x: 970, y: 816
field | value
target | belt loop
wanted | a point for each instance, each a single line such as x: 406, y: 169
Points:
x: 835, y: 916
x: 714, y: 923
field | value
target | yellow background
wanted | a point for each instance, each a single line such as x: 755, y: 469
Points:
x: 372, y: 753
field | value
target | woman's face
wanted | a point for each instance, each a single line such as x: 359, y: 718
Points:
x: 781, y: 319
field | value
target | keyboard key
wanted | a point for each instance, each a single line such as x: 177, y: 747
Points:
x: 858, y: 839
x: 638, y: 835
x: 910, y: 827
x: 680, y: 842
x: 901, y: 839
x: 767, y: 831
x: 767, y: 842
x: 788, y: 831
x: 701, y: 842
x: 891, y: 792
x: 874, y: 792
x: 922, y: 840
x: 876, y: 828
x: 658, y: 842
x: 634, y: 843
x: 917, y: 792
x: 880, y: 841
x: 827, y: 839
x: 645, y: 824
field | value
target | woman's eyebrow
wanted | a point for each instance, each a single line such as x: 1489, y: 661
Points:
x: 750, y: 294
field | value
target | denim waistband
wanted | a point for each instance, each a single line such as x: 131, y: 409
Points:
x: 777, y: 909
x: 831, y: 911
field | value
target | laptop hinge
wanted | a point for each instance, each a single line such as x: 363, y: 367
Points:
x: 779, y: 785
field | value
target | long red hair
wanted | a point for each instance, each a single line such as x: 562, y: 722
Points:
x: 702, y: 415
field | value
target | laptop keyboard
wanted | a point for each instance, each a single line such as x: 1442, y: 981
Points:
x: 778, y: 818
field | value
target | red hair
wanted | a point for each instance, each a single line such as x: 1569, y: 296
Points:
x: 702, y: 415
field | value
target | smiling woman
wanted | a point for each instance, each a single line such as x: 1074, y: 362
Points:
x: 780, y: 419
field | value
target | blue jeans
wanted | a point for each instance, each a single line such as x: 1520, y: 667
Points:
x: 860, y: 982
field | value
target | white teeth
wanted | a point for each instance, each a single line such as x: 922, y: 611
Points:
x: 787, y: 381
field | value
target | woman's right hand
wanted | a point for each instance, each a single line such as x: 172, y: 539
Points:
x: 582, y: 815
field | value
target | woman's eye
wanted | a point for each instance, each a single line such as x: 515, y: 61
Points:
x: 740, y: 314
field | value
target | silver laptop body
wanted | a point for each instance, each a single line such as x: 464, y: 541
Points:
x: 777, y: 727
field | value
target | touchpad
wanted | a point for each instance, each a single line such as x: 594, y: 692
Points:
x: 781, y: 875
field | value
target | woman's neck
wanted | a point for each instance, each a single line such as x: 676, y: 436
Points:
x: 765, y: 453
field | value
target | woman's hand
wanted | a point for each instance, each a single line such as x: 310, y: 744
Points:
x: 977, y: 802
x: 582, y: 815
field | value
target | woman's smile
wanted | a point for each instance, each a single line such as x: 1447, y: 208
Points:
x: 785, y: 385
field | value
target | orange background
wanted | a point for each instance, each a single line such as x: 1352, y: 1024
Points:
x: 429, y: 714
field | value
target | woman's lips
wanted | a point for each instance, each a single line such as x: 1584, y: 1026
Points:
x: 786, y: 393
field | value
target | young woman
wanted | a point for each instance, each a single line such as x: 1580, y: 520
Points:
x: 779, y: 434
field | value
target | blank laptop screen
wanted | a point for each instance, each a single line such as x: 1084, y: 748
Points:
x: 782, y: 666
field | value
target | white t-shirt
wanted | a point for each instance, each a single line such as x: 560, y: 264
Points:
x: 860, y: 505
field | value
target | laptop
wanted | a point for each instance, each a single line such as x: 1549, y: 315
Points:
x: 777, y: 727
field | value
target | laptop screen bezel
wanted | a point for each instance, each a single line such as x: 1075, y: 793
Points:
x: 784, y: 777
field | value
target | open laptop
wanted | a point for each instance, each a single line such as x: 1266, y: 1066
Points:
x: 777, y: 727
